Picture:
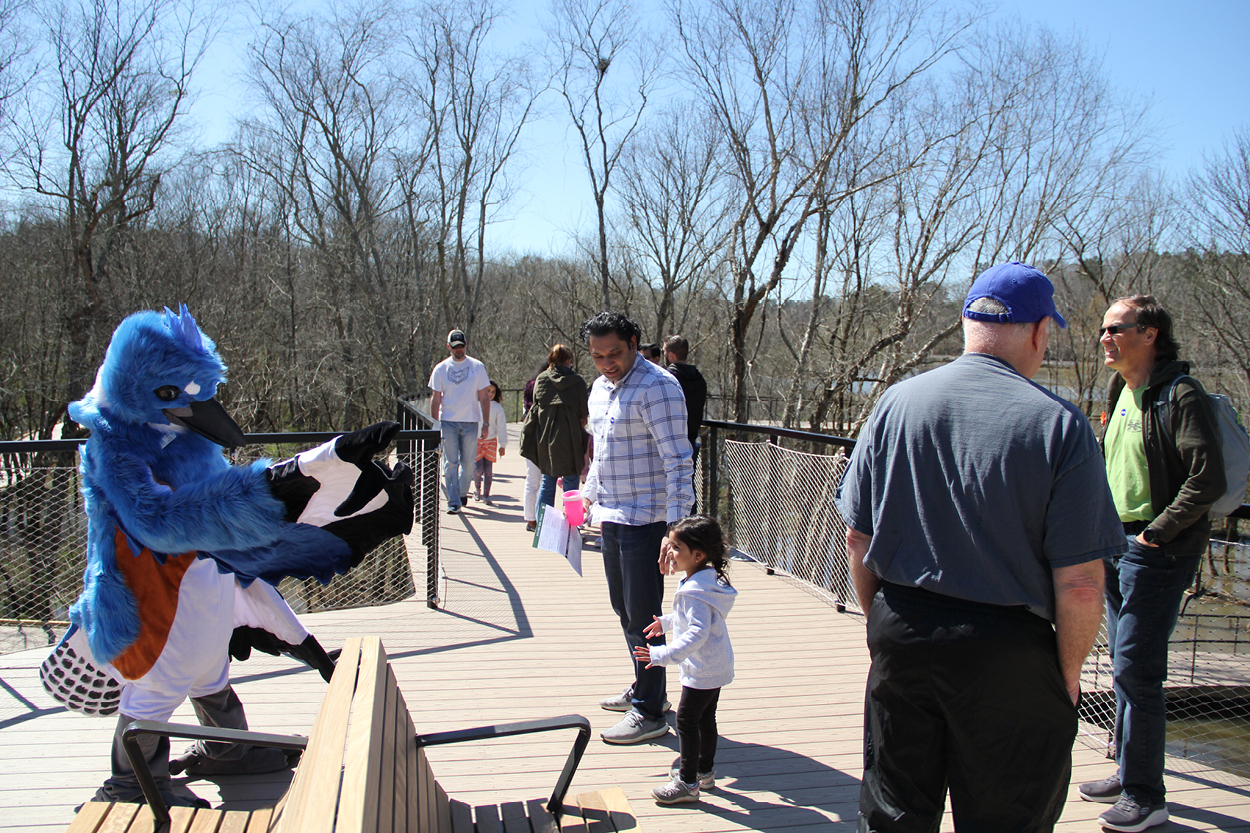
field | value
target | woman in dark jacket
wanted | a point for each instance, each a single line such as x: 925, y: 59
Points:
x: 554, y: 434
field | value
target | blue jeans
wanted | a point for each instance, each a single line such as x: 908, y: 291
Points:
x: 1144, y: 591
x: 547, y: 492
x: 459, y: 449
x: 631, y: 556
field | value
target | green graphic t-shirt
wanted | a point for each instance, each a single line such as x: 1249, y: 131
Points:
x: 1125, y: 448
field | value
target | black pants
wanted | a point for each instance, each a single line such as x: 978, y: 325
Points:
x: 968, y: 697
x: 696, y: 730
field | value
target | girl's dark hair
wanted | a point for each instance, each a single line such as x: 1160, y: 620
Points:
x: 703, y: 533
x: 612, y: 322
x: 1150, y: 313
x: 498, y: 397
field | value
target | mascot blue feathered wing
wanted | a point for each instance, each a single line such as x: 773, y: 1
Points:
x: 177, y: 538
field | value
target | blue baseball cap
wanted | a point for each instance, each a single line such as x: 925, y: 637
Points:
x: 1025, y: 291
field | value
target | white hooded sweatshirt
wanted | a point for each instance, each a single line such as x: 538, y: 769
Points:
x: 700, y: 640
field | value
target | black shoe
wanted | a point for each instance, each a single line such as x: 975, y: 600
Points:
x: 1130, y: 817
x: 1106, y: 791
x: 453, y: 510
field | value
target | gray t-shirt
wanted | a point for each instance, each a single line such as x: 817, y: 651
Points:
x: 975, y: 483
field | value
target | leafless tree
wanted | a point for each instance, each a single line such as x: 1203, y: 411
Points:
x: 1219, y: 239
x: 593, y: 38
x: 793, y: 86
x: 94, y: 134
x: 333, y: 124
x: 675, y: 210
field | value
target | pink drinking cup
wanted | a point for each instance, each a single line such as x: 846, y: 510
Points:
x: 574, y: 509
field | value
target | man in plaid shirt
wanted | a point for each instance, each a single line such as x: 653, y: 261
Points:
x: 640, y: 481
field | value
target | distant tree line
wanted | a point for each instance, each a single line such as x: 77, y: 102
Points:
x: 803, y: 188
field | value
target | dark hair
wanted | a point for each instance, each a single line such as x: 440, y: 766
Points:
x: 678, y: 346
x: 498, y: 397
x: 612, y: 322
x: 559, y: 354
x: 650, y: 350
x: 702, y: 533
x: 1150, y: 313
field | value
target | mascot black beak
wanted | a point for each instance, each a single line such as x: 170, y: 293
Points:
x: 209, y: 420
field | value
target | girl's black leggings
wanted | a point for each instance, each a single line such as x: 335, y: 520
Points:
x: 696, y: 731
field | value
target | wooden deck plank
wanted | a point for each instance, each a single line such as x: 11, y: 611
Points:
x: 521, y: 636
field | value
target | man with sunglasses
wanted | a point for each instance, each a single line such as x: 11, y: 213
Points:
x: 1166, y: 469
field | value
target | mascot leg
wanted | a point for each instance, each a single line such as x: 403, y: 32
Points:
x: 123, y: 785
x: 223, y: 710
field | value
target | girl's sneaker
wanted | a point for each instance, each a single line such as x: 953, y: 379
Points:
x: 707, y: 780
x: 675, y: 792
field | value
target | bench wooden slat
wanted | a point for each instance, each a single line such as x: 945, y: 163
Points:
x: 309, y: 804
x: 512, y: 815
x: 461, y: 817
x: 391, y: 751
x: 595, y: 812
x: 571, y: 820
x: 487, y: 818
x: 361, y: 789
x: 90, y: 817
x: 541, y: 821
x: 442, y: 808
x: 622, y: 815
x: 417, y: 818
x: 399, y: 780
x: 235, y: 821
x: 118, y: 820
x: 259, y: 823
x: 180, y: 819
x: 205, y: 821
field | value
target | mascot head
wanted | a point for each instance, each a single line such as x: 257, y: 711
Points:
x: 159, y: 369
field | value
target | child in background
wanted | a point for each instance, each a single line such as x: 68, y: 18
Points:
x: 700, y: 643
x: 491, y: 447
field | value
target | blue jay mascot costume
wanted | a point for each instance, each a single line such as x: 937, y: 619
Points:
x: 184, y: 549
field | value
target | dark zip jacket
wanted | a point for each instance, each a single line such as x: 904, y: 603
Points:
x: 1185, y: 477
x: 552, y: 435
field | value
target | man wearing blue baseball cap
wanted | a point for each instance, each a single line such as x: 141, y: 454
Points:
x: 978, y: 515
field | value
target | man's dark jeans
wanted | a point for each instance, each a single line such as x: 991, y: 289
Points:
x: 1144, y: 590
x: 631, y: 557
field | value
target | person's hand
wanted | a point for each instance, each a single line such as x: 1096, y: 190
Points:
x: 1074, y: 691
x: 667, y: 566
x: 502, y: 451
x: 485, y: 431
x: 1144, y: 542
x: 643, y: 654
x: 656, y: 628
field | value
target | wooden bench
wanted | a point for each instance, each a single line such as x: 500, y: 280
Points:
x: 364, y: 769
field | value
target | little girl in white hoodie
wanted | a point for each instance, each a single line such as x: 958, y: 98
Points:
x: 700, y: 643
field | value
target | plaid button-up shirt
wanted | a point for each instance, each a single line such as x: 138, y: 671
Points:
x: 642, y: 471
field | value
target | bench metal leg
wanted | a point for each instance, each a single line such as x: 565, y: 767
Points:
x: 130, y: 740
x: 525, y: 727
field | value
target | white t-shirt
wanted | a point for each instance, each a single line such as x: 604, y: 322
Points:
x: 459, y: 383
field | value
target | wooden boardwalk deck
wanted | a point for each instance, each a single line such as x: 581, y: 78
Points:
x: 522, y: 636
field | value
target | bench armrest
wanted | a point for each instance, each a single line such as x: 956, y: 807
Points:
x: 182, y: 730
x: 525, y: 727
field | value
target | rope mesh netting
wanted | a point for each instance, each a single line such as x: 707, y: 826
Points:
x: 778, y: 508
x: 42, y: 552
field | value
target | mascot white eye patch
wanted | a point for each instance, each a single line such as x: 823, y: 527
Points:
x: 191, y: 388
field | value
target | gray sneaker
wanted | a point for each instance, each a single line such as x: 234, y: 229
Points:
x: 707, y: 780
x: 1106, y: 791
x: 1130, y: 817
x: 675, y: 792
x: 624, y: 702
x: 635, y: 727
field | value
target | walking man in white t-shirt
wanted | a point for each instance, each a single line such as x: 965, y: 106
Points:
x: 461, y: 396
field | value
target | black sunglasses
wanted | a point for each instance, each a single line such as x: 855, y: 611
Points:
x: 1116, y: 329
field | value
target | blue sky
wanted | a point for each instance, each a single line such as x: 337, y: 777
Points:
x: 1191, y: 61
